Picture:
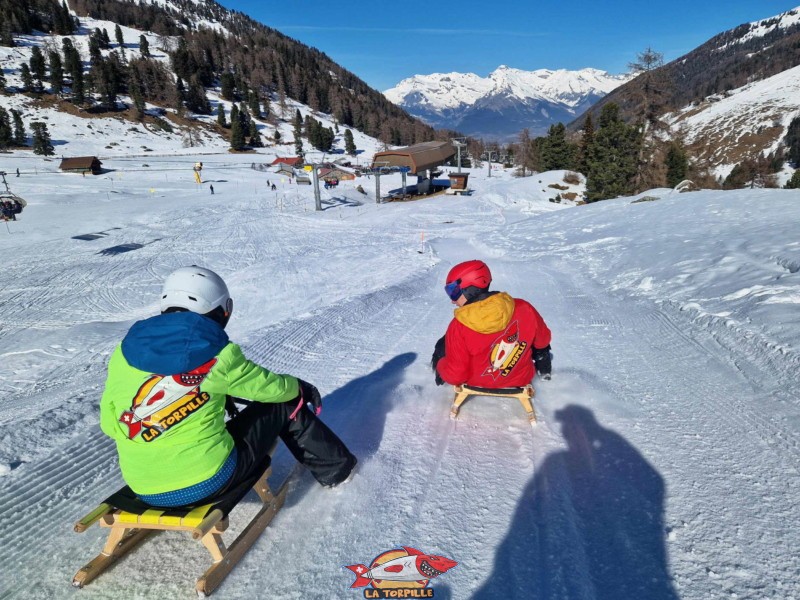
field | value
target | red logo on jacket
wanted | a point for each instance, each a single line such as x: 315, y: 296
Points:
x: 163, y: 401
x: 505, y: 352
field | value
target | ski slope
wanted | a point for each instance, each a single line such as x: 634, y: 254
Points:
x: 665, y: 461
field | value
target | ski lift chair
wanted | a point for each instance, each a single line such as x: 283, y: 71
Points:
x: 523, y: 394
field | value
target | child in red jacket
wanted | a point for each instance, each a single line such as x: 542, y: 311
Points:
x: 494, y: 341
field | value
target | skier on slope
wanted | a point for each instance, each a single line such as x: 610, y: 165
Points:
x: 494, y: 341
x: 165, y: 399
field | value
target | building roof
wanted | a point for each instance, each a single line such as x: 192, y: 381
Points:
x: 418, y: 157
x: 80, y: 162
x: 292, y: 161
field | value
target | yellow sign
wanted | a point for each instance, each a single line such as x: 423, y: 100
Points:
x: 308, y: 168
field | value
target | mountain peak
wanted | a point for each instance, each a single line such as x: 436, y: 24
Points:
x: 476, y: 105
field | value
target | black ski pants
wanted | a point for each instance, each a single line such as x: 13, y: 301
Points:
x: 256, y: 429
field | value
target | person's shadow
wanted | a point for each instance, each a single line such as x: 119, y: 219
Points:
x: 359, y: 408
x: 356, y: 412
x: 588, y: 525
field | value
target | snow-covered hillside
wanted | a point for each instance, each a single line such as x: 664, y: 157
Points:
x: 753, y: 119
x: 506, y: 101
x: 77, y: 132
x: 758, y: 29
x: 665, y: 461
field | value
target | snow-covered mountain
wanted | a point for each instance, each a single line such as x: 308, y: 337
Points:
x: 730, y: 99
x: 508, y: 100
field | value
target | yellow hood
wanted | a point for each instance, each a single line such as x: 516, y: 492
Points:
x: 487, y: 316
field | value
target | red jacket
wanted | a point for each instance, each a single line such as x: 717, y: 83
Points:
x: 489, y: 343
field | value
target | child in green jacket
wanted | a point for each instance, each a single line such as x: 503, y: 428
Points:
x: 165, y: 396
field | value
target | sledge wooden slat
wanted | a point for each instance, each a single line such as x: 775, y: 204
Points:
x: 195, y: 517
x: 524, y: 395
x: 205, y: 523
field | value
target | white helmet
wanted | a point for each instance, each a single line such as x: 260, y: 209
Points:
x: 197, y: 290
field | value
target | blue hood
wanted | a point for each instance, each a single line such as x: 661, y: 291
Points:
x: 173, y: 343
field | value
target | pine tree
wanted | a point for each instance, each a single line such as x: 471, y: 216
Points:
x: 298, y: 130
x: 587, y: 139
x: 648, y: 99
x: 227, y: 85
x: 144, y: 46
x: 221, y: 116
x: 556, y: 151
x: 196, y: 99
x: 237, y: 131
x: 277, y: 136
x: 63, y: 20
x: 38, y: 68
x: 794, y: 182
x: 72, y: 60
x: 6, y: 35
x: 255, y: 136
x: 119, y: 36
x: 254, y: 104
x: 613, y: 157
x: 349, y: 142
x: 41, y: 139
x: 6, y: 135
x: 136, y: 94
x: 27, y: 79
x: 792, y: 140
x: 19, y: 128
x: 235, y: 114
x: 56, y: 72
x: 180, y: 96
x: 3, y: 82
x: 677, y: 164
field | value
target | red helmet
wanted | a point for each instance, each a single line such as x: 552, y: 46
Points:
x: 473, y: 273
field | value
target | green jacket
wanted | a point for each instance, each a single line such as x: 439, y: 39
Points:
x: 164, y: 399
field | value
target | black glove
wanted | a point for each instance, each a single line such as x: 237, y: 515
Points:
x: 438, y: 354
x: 543, y: 359
x: 311, y: 396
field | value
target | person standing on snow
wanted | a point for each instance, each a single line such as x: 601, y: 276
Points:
x: 494, y: 341
x: 165, y: 399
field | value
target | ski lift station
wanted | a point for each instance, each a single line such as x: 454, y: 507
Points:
x: 421, y: 160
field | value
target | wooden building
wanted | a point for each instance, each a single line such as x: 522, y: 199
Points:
x: 81, y: 164
x: 292, y: 161
x: 458, y: 183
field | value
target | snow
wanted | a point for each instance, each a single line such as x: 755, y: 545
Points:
x: 758, y: 29
x: 665, y: 460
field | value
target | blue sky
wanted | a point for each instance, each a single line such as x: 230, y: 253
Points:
x: 383, y: 43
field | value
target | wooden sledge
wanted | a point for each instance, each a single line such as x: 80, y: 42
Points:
x: 131, y: 521
x: 523, y: 394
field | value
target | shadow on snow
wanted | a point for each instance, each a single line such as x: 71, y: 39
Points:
x: 588, y: 525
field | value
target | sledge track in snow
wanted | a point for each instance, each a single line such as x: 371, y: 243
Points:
x: 29, y: 511
x: 636, y: 355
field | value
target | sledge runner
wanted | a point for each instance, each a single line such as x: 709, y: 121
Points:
x: 495, y: 344
x: 165, y: 397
